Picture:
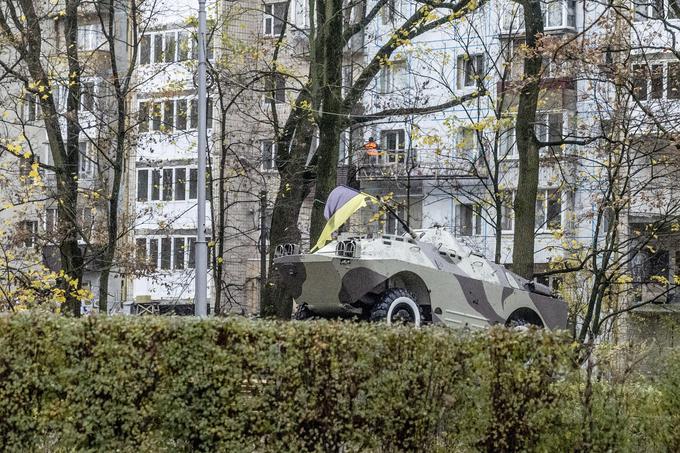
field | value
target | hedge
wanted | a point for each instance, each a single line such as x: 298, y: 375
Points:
x: 162, y: 384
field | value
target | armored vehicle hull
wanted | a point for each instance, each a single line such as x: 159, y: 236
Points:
x: 429, y: 278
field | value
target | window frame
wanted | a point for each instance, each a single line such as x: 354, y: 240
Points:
x: 475, y: 218
x: 388, y: 155
x: 470, y: 70
x: 271, y: 155
x: 176, y: 257
x: 30, y: 227
x: 270, y: 20
x: 545, y: 226
x: 153, y: 46
x: 158, y: 192
x: 152, y: 113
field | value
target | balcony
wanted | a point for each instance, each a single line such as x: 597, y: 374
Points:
x: 559, y: 16
x: 415, y: 164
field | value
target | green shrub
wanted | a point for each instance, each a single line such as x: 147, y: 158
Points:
x: 159, y: 384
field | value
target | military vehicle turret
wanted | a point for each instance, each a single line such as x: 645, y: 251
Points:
x: 419, y: 277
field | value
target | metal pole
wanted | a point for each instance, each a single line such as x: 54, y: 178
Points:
x: 201, y: 303
x: 263, y: 245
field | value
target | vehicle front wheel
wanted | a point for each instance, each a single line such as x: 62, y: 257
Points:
x: 397, y: 306
x: 302, y: 313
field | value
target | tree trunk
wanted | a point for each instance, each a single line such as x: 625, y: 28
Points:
x: 527, y: 145
x: 330, y: 39
x: 499, y: 232
x: 294, y: 186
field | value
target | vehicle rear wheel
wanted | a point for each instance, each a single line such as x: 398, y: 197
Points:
x: 522, y: 319
x: 302, y: 313
x: 397, y: 306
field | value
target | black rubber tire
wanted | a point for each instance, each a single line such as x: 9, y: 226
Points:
x: 302, y: 313
x: 524, y: 320
x: 380, y: 309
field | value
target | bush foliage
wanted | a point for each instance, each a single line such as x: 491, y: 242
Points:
x: 160, y: 384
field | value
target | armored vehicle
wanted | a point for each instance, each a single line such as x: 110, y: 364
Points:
x: 420, y: 277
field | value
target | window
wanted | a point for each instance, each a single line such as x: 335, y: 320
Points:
x: 192, y: 253
x: 556, y: 14
x: 468, y: 145
x: 180, y: 183
x: 648, y: 9
x: 392, y: 142
x: 193, y: 183
x: 87, y: 159
x: 87, y: 93
x: 393, y: 77
x: 656, y: 81
x: 167, y: 184
x: 166, y: 253
x: 145, y: 50
x: 25, y: 167
x: 51, y: 220
x: 550, y: 128
x: 170, y: 49
x: 153, y: 253
x: 173, y: 182
x: 156, y: 116
x: 552, y: 13
x: 640, y: 77
x: 155, y: 184
x: 140, y: 249
x: 388, y: 12
x: 172, y: 115
x: 470, y: 69
x: 142, y: 185
x: 90, y: 37
x: 168, y: 116
x: 549, y: 209
x: 274, y: 17
x: 181, y: 121
x: 656, y: 91
x: 468, y: 219
x: 268, y: 148
x: 507, y: 222
x: 169, y: 46
x: 392, y: 225
x: 275, y: 88
x: 183, y: 45
x: 176, y: 252
x: 143, y: 117
x: 673, y: 80
x: 31, y: 107
x: 507, y: 143
x: 28, y: 232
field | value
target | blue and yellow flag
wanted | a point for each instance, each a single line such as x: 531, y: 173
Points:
x: 342, y: 202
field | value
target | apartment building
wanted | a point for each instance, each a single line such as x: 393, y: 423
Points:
x: 32, y: 233
x: 459, y: 168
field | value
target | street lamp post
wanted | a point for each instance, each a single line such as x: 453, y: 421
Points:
x: 201, y: 304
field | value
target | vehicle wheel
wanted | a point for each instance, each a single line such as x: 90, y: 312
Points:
x: 523, y: 319
x: 302, y: 313
x: 398, y: 306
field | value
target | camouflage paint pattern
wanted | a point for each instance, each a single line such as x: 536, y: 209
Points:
x: 463, y: 289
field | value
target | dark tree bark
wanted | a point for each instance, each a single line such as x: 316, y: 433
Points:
x: 330, y: 123
x: 120, y: 78
x: 527, y: 144
x: 295, y: 184
x: 21, y: 29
